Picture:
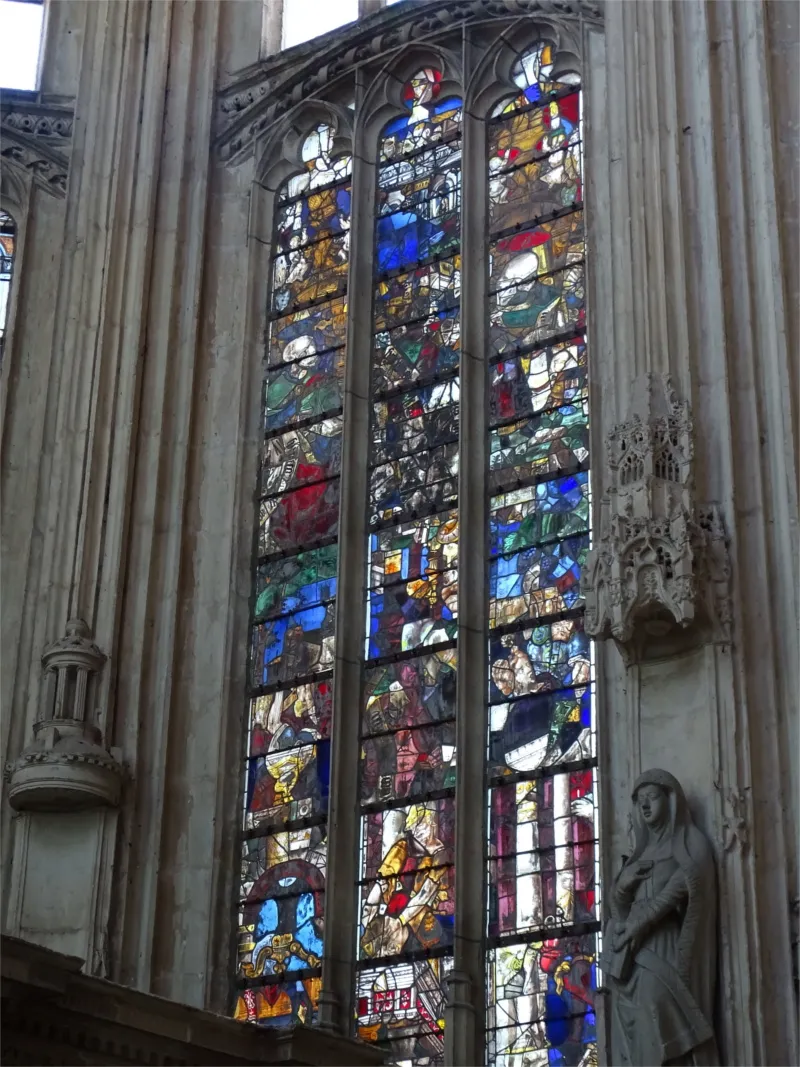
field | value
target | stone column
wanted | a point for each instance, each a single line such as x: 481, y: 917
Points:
x: 341, y: 891
x: 466, y: 1009
x: 149, y: 394
x: 686, y: 280
x: 74, y: 567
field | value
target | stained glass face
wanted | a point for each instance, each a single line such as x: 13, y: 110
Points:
x: 431, y: 117
x: 408, y: 752
x: 540, y: 753
x: 323, y: 165
x: 287, y: 763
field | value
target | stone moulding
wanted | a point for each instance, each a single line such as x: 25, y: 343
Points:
x: 660, y: 563
x: 36, y: 138
x: 262, y: 94
x: 67, y: 766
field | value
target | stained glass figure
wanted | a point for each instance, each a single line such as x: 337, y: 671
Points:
x: 287, y: 765
x: 8, y: 235
x: 540, y: 757
x: 408, y: 755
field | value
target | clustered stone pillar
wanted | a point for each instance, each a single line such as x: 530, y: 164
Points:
x: 692, y: 588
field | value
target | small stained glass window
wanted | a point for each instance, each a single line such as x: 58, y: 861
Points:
x: 408, y: 758
x: 287, y: 763
x: 542, y: 917
x: 8, y: 237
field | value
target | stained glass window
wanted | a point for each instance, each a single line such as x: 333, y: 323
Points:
x: 542, y: 914
x: 406, y: 890
x: 538, y: 866
x: 287, y: 764
x: 7, y: 244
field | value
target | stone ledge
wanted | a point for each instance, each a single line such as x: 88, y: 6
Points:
x: 53, y: 1013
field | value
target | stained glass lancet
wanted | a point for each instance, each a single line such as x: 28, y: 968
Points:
x: 284, y: 846
x: 408, y: 714
x: 542, y: 919
x: 8, y: 235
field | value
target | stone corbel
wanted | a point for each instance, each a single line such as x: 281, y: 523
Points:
x: 36, y: 140
x: 67, y: 766
x: 660, y: 565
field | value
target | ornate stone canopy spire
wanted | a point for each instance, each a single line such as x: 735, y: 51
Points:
x: 658, y: 563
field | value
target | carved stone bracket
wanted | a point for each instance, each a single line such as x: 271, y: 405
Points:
x: 36, y: 138
x: 660, y: 563
x: 67, y: 766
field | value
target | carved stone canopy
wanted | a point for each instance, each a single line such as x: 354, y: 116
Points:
x: 66, y: 766
x: 659, y: 562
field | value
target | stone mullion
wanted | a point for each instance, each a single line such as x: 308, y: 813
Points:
x: 465, y: 1018
x: 339, y: 953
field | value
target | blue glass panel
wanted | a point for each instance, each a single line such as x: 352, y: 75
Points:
x: 536, y: 513
x: 551, y: 655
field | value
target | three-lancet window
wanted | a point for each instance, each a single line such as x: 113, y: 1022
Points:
x: 533, y: 853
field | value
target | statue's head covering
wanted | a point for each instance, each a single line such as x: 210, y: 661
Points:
x: 692, y: 852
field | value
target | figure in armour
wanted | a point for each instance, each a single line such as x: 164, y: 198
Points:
x: 659, y: 950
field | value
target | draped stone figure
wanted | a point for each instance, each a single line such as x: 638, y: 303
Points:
x: 659, y: 952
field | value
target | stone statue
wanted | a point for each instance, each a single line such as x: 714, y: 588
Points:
x: 659, y: 951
